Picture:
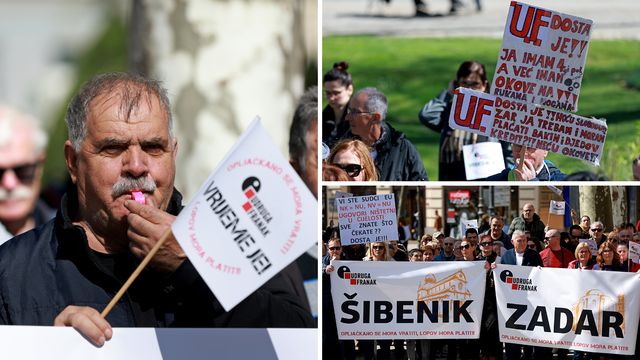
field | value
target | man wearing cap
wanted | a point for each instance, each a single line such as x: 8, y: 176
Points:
x: 120, y: 141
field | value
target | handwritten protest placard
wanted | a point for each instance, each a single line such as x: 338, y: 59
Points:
x: 542, y: 57
x: 249, y: 220
x: 366, y: 219
x: 529, y: 125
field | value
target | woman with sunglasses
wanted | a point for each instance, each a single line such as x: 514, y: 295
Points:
x: 354, y: 158
x: 435, y: 116
x: 338, y: 88
x: 468, y: 348
x: 534, y: 244
x: 378, y: 251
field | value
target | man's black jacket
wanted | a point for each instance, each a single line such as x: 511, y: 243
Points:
x: 52, y: 266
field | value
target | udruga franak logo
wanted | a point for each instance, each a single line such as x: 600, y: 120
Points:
x: 355, y: 278
x: 255, y: 208
x: 520, y: 284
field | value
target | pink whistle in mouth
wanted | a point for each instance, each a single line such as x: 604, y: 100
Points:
x: 138, y: 196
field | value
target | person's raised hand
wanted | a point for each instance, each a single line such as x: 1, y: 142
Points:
x: 528, y: 171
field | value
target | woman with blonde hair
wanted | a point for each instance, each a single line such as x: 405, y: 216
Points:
x: 584, y: 259
x: 354, y: 157
x: 378, y: 251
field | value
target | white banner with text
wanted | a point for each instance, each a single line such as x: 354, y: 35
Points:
x: 408, y: 300
x: 367, y: 219
x: 589, y: 310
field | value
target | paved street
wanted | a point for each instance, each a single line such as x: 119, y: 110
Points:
x: 617, y: 19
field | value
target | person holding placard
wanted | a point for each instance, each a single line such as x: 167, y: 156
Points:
x: 330, y: 342
x: 396, y: 157
x: 435, y: 116
x: 597, y: 232
x: 120, y: 143
x: 534, y: 167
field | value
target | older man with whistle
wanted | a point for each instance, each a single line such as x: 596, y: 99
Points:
x: 530, y: 166
x: 121, y: 155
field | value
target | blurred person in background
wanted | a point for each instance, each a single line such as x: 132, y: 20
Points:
x: 623, y: 252
x: 338, y: 88
x: 435, y: 116
x: 535, y: 244
x: 456, y: 249
x: 334, y: 173
x: 354, y: 158
x: 22, y: 153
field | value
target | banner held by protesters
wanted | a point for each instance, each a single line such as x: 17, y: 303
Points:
x: 408, y: 300
x: 366, y: 219
x: 255, y: 207
x: 593, y: 311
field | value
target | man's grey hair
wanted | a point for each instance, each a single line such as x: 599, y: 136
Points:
x: 10, y: 118
x: 305, y: 117
x: 518, y: 233
x: 130, y: 88
x: 597, y: 222
x: 377, y: 102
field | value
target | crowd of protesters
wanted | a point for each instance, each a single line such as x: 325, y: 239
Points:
x: 528, y: 242
x: 385, y: 154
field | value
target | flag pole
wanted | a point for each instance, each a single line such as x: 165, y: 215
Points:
x: 523, y: 152
x: 137, y: 272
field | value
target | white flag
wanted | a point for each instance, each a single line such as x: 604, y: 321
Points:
x: 555, y: 190
x: 250, y: 219
x: 557, y: 207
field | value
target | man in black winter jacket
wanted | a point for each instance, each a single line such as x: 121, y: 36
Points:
x: 396, y: 157
x: 65, y: 271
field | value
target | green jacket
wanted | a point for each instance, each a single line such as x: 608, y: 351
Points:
x: 537, y: 229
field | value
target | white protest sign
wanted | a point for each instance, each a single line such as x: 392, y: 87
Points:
x: 501, y: 196
x: 367, y: 219
x: 249, y: 220
x: 529, y: 125
x: 408, y: 300
x: 340, y: 194
x: 542, y: 57
x: 482, y: 160
x: 634, y: 252
x: 592, y: 244
x: 556, y: 207
x: 469, y: 224
x: 594, y: 311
